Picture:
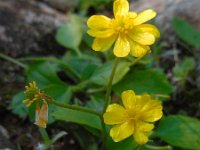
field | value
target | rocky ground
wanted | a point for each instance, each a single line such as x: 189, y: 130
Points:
x: 27, y: 28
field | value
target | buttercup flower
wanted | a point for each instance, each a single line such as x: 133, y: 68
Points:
x: 32, y: 95
x: 135, y: 118
x: 126, y: 28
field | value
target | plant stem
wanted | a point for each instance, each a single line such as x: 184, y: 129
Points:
x: 78, y: 52
x: 107, y: 100
x: 45, y: 136
x: 12, y: 60
x: 158, y: 147
x: 80, y: 86
x: 74, y: 107
x: 109, y: 86
x: 137, y: 60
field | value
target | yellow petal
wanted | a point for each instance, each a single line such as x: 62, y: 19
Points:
x: 102, y: 44
x: 100, y: 33
x: 132, y: 14
x: 122, y: 131
x: 141, y: 37
x: 129, y: 99
x: 41, y: 114
x: 138, y: 50
x: 99, y: 22
x: 151, y: 110
x: 114, y: 114
x: 144, y: 127
x: 150, y: 29
x: 120, y: 8
x: 144, y: 16
x: 140, y: 137
x: 122, y: 47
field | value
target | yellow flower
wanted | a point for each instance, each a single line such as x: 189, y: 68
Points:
x: 135, y: 118
x: 126, y: 28
x: 33, y: 94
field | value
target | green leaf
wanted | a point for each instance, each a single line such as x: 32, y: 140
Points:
x: 86, y: 140
x: 70, y: 34
x: 181, y: 70
x: 186, y: 32
x: 17, y: 106
x: 127, y: 144
x: 85, y: 4
x: 59, y: 92
x: 88, y: 71
x: 78, y: 64
x: 43, y: 73
x: 150, y: 81
x: 75, y: 116
x: 180, y: 131
x: 96, y: 103
x: 102, y: 73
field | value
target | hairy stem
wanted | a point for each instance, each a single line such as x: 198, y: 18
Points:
x: 10, y: 59
x: 109, y: 86
x: 107, y: 101
x: 74, y: 107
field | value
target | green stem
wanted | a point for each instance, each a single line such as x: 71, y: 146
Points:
x: 90, y: 91
x: 158, y: 147
x: 80, y: 86
x: 104, y: 134
x: 74, y: 107
x: 12, y: 60
x: 107, y: 100
x: 45, y: 136
x: 78, y: 52
x: 109, y: 86
x: 162, y: 96
x: 138, y: 147
x: 137, y: 60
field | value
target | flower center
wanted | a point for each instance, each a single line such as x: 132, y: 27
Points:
x: 122, y: 25
x: 132, y: 114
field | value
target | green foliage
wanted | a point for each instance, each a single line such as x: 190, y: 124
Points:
x: 87, y: 75
x: 79, y: 64
x: 86, y: 140
x: 186, y: 32
x: 182, y: 69
x: 49, y: 82
x: 70, y: 34
x: 79, y: 117
x: 127, y: 144
x: 47, y: 141
x: 180, y: 131
x: 96, y: 103
x: 85, y: 4
x: 103, y: 72
x: 17, y: 106
x: 152, y: 81
x: 43, y: 73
